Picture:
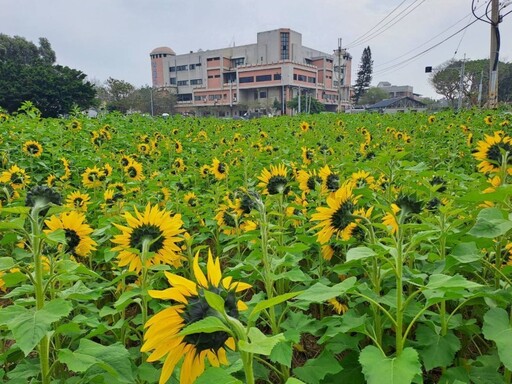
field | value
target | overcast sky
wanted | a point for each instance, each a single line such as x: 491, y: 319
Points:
x: 113, y: 38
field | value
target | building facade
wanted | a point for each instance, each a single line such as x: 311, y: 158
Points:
x: 396, y: 90
x: 258, y: 77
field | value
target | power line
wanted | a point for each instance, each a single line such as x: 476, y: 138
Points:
x: 376, y: 25
x: 389, y: 24
x: 407, y: 61
x: 426, y: 42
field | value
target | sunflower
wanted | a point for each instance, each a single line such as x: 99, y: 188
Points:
x: 304, y: 126
x: 488, y: 120
x: 178, y: 146
x: 154, y: 225
x: 390, y: 219
x: 330, y: 180
x: 362, y: 179
x: 16, y: 177
x: 67, y: 170
x: 431, y: 119
x: 490, y: 152
x: 205, y: 170
x: 297, y: 211
x: 77, y: 231
x: 134, y: 171
x: 50, y: 180
x: 75, y: 126
x: 93, y: 177
x: 308, y: 181
x: 307, y: 155
x: 162, y: 335
x: 32, y: 148
x: 227, y: 217
x: 78, y: 201
x: 190, y: 199
x: 339, y: 306
x: 125, y: 160
x: 144, y: 148
x: 337, y: 219
x: 111, y: 197
x: 274, y: 181
x: 107, y: 170
x: 179, y: 165
x: 219, y: 169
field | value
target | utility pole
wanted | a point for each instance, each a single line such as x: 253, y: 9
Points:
x: 494, y: 55
x: 461, y: 83
x: 480, y: 87
x: 340, y: 75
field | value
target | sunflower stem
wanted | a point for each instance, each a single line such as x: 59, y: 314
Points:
x: 36, y: 245
x: 399, y: 287
x: 146, y: 242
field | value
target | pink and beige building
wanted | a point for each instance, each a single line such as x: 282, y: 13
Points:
x: 253, y: 78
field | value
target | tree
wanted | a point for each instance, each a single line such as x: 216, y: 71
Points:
x: 28, y: 73
x: 364, y: 74
x: 446, y: 81
x: 314, y: 107
x: 373, y: 95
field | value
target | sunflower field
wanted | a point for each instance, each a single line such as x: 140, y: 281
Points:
x: 331, y: 248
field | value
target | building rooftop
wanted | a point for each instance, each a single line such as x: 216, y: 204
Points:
x: 166, y: 50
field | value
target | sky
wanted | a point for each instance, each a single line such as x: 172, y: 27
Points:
x: 113, y: 38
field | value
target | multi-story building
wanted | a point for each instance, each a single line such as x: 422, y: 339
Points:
x: 258, y: 77
x: 396, y: 90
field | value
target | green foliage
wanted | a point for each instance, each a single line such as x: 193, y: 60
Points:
x: 364, y: 75
x: 373, y: 95
x: 28, y: 73
x: 308, y: 104
x: 380, y: 369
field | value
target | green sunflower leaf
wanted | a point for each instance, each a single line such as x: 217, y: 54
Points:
x: 214, y: 301
x: 380, y: 369
x: 209, y: 324
x: 490, y: 223
x: 315, y: 370
x: 90, y: 356
x: 260, y: 344
x: 6, y: 263
x: 29, y: 326
x: 360, y: 253
x: 18, y: 223
x: 497, y: 328
x: 270, y: 303
x: 436, y: 350
x: 319, y: 292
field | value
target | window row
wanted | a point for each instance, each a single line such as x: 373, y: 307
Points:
x: 259, y: 78
x: 179, y: 68
x: 185, y: 82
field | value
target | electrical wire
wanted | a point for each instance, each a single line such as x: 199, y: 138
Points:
x: 376, y: 25
x: 426, y: 42
x: 407, y: 61
x: 386, y: 26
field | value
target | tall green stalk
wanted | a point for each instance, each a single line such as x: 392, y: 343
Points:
x: 37, y: 245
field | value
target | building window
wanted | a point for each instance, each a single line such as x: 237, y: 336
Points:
x: 277, y: 76
x: 213, y: 59
x: 181, y: 68
x: 182, y: 82
x: 173, y: 80
x: 238, y: 61
x: 217, y: 76
x: 264, y: 78
x: 192, y: 66
x: 196, y: 81
x: 172, y: 69
x: 285, y: 45
x: 214, y: 97
x: 263, y: 94
x: 184, y: 97
x: 311, y: 79
x: 246, y: 79
x: 198, y: 98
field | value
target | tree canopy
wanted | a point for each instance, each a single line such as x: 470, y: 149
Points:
x: 29, y: 73
x: 446, y: 81
x: 373, y: 95
x: 364, y: 74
